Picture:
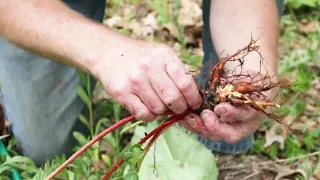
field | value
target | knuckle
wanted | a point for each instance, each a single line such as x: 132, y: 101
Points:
x: 119, y: 90
x: 144, y: 66
x: 172, y: 100
x: 159, y: 109
x: 144, y: 114
x: 164, y: 50
x: 185, y: 85
x: 136, y: 79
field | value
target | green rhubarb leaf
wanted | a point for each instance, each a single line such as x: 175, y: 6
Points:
x: 175, y: 155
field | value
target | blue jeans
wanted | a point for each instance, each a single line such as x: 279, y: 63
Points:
x: 41, y: 102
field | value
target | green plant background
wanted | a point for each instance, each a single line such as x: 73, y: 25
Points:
x: 167, y: 155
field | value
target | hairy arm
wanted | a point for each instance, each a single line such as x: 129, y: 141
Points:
x: 233, y: 23
x: 50, y: 28
x: 129, y: 69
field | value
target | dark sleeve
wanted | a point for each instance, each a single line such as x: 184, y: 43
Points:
x: 93, y: 9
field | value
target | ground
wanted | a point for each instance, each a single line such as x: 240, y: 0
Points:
x: 276, y: 153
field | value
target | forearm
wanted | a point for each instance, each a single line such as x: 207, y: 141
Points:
x: 233, y: 23
x: 50, y: 28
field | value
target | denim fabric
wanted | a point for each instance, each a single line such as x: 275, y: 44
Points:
x: 210, y: 59
x: 39, y: 96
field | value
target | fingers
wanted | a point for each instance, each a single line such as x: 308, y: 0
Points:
x: 195, y: 124
x: 130, y: 101
x: 229, y: 132
x: 142, y: 88
x: 135, y: 106
x: 167, y: 90
x: 231, y: 114
x: 184, y: 82
x: 209, y: 125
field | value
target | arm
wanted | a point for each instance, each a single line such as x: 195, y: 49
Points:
x: 129, y: 69
x: 55, y: 31
x: 232, y: 23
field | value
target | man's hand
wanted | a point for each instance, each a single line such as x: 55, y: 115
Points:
x: 225, y: 122
x: 148, y: 79
x: 246, y: 19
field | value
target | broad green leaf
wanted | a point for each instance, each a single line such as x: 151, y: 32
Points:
x: 83, y: 95
x: 176, y: 155
x: 132, y: 175
x: 80, y: 138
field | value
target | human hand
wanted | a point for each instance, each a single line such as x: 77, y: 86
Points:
x: 225, y: 122
x: 148, y: 79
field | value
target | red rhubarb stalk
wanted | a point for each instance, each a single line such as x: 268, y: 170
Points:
x: 89, y: 144
x: 154, y: 134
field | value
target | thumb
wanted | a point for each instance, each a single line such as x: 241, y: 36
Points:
x: 209, y: 119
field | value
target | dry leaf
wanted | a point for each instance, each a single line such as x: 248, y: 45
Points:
x: 316, y: 83
x: 285, y: 171
x: 112, y: 22
x: 106, y: 147
x: 190, y: 14
x: 151, y: 21
x: 281, y: 171
x: 198, y: 51
x: 313, y: 109
x: 312, y: 93
x: 277, y: 133
x: 172, y: 29
x: 316, y: 176
x: 98, y: 164
x: 288, y: 119
x: 304, y: 126
x: 142, y: 10
x: 308, y: 27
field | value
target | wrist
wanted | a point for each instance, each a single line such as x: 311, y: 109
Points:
x: 98, y: 48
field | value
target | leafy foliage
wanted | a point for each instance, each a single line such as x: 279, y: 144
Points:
x: 296, y: 4
x: 176, y: 155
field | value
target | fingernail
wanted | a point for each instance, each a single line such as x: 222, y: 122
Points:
x: 222, y: 111
x: 192, y: 122
x: 206, y: 117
